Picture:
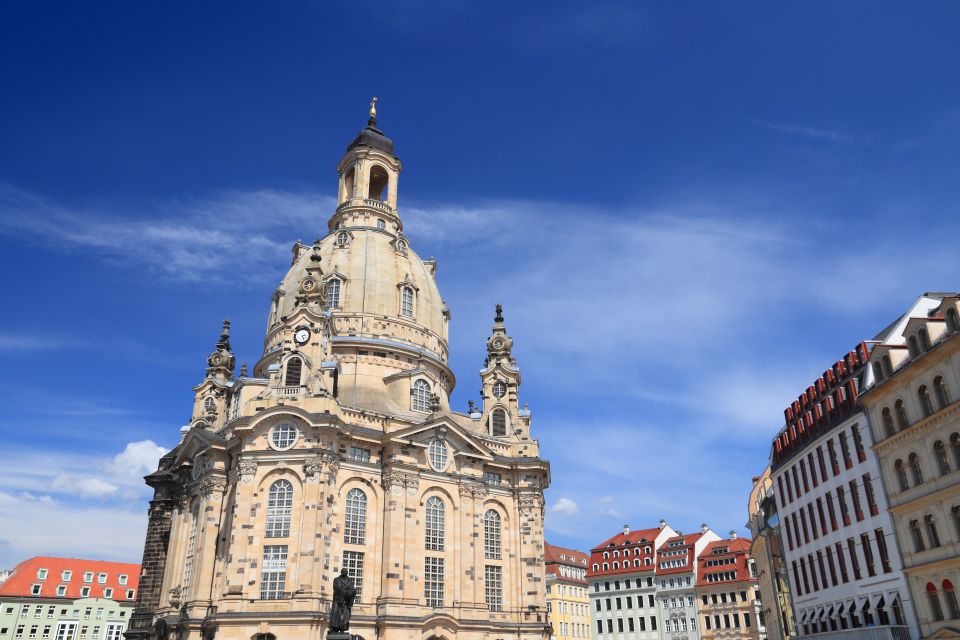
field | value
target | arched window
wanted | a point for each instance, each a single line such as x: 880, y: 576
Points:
x: 887, y: 365
x: 434, y: 521
x: 381, y: 224
x: 903, y: 421
x: 878, y: 371
x: 932, y: 535
x: 955, y: 446
x: 636, y: 562
x: 917, y: 536
x: 294, y: 369
x: 355, y: 518
x: 940, y: 388
x: 953, y: 321
x: 913, y: 347
x: 925, y: 401
x: 936, y: 611
x: 616, y: 564
x: 279, y: 507
x: 498, y: 422
x: 915, y: 469
x: 348, y: 182
x: 901, y: 475
x: 491, y: 535
x: 333, y: 293
x: 887, y: 417
x: 379, y: 179
x: 420, y: 396
x: 924, y: 339
x: 951, y: 597
x: 940, y: 453
x: 406, y: 302
x: 208, y: 404
x: 191, y: 549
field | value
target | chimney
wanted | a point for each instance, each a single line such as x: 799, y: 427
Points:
x: 704, y: 528
x: 733, y: 534
x: 626, y: 529
x: 663, y: 523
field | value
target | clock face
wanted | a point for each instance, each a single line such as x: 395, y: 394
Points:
x: 498, y: 344
x: 301, y: 336
x: 309, y: 284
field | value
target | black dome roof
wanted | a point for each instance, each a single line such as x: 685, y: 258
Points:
x: 372, y: 137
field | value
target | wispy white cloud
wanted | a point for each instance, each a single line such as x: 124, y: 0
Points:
x: 564, y: 507
x: 816, y: 133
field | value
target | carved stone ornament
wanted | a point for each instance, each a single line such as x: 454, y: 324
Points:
x: 474, y: 490
x: 531, y: 504
x: 212, y: 485
x: 247, y: 470
x: 332, y: 460
x: 175, y: 596
x: 395, y: 482
x: 312, y: 468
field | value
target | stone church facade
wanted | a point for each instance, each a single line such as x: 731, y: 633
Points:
x: 340, y: 450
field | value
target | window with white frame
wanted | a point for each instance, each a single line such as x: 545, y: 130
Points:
x: 406, y: 302
x: 381, y: 224
x: 359, y: 454
x: 438, y: 454
x: 434, y: 520
x: 420, y: 395
x: 41, y: 574
x: 491, y: 535
x: 66, y: 631
x: 191, y: 547
x: 355, y: 518
x: 492, y: 478
x: 35, y: 589
x: 343, y: 239
x: 66, y: 575
x: 433, y: 581
x: 108, y: 593
x: 114, y: 631
x: 284, y: 436
x: 333, y: 293
x: 279, y: 508
x: 131, y: 594
x: 102, y: 578
x: 273, y: 573
x: 88, y: 576
x: 493, y: 582
x: 353, y: 563
x: 61, y: 590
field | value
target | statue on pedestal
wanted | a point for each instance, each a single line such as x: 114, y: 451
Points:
x: 344, y: 593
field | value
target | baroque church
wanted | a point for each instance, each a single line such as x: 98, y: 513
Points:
x: 340, y: 450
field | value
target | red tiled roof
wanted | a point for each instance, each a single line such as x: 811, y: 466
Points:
x: 633, y: 537
x: 633, y: 540
x: 738, y: 549
x: 25, y: 575
x: 688, y: 541
x: 551, y: 555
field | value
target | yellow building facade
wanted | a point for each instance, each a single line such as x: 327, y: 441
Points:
x: 568, y: 603
x: 339, y: 450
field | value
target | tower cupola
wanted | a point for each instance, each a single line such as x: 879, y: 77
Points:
x: 368, y: 172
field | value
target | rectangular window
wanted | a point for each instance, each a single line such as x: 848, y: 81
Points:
x: 493, y: 580
x: 492, y: 479
x: 653, y: 623
x: 84, y: 592
x: 833, y: 568
x: 806, y: 577
x: 796, y: 481
x: 65, y: 630
x: 19, y: 632
x: 813, y: 573
x: 619, y: 603
x: 868, y: 554
x: 796, y: 530
x: 87, y: 613
x: 871, y: 498
x: 823, y: 517
x: 843, y: 563
x: 831, y: 512
x: 433, y: 581
x: 803, y: 476
x: 108, y: 593
x: 353, y: 563
x: 803, y: 523
x: 46, y: 631
x: 597, y: 601
x: 359, y: 454
x: 844, y: 511
x: 823, y: 571
x: 33, y: 631
x: 88, y: 576
x: 813, y: 469
x: 99, y: 613
x: 858, y: 443
x: 630, y: 624
x: 101, y: 578
x: 783, y: 496
x: 650, y: 600
x: 822, y: 465
x: 882, y: 549
x: 66, y: 575
x: 620, y: 625
x: 642, y: 623
x: 796, y: 579
x: 706, y: 622
x: 746, y: 619
x: 832, y: 451
x: 599, y: 626
x: 854, y: 561
x: 130, y: 594
x: 855, y: 498
x: 845, y: 451
x: 273, y: 572
x: 41, y: 574
x: 114, y: 632
x: 813, y: 520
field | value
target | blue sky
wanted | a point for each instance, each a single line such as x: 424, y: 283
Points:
x: 688, y: 211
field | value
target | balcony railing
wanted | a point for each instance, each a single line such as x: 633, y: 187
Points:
x: 287, y: 392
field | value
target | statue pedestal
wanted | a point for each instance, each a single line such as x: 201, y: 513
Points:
x: 339, y: 636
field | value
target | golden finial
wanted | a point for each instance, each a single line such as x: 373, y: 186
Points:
x: 373, y: 107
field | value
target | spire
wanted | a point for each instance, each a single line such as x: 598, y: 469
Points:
x: 220, y: 363
x: 372, y: 122
x: 499, y: 343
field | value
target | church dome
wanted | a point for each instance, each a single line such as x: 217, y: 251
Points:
x: 366, y: 271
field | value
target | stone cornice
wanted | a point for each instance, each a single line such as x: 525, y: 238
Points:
x: 917, y: 429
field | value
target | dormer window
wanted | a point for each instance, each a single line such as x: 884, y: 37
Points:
x: 333, y: 293
x: 887, y: 365
x: 66, y: 575
x: 406, y: 302
x: 878, y: 371
x: 88, y: 576
x: 102, y: 578
x: 913, y: 347
x: 41, y: 574
x: 953, y: 321
x: 924, y: 339
x: 420, y: 396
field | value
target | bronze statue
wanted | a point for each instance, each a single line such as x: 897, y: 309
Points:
x: 344, y: 593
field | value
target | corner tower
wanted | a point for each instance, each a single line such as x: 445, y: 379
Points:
x: 338, y: 450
